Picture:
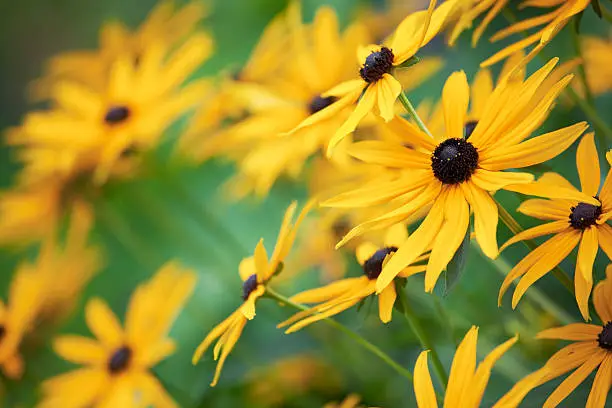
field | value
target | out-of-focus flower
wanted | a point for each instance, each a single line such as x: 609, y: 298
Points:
x: 597, y: 53
x: 17, y: 316
x: 453, y: 174
x: 255, y: 272
x: 377, y: 89
x: 553, y: 21
x: 346, y: 293
x: 291, y: 378
x: 165, y: 28
x: 590, y: 351
x: 351, y: 401
x: 117, y: 363
x: 574, y: 223
x: 466, y: 383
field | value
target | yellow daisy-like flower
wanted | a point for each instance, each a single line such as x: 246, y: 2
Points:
x: 553, y: 21
x: 377, y: 87
x: 574, y: 223
x: 117, y: 364
x: 346, y: 293
x: 255, y: 272
x: 467, y: 382
x: 458, y: 171
x: 591, y: 350
x: 25, y: 299
x: 92, y: 130
x: 165, y: 25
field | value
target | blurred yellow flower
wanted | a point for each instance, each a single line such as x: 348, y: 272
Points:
x: 346, y: 293
x: 454, y: 174
x: 117, y: 363
x: 351, y: 401
x: 574, y: 223
x: 166, y: 25
x: 467, y: 382
x: 17, y: 317
x: 597, y: 53
x: 590, y: 351
x: 255, y: 272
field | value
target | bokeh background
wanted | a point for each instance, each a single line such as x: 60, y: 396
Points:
x: 145, y: 222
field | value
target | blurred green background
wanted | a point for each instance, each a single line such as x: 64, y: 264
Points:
x: 143, y: 223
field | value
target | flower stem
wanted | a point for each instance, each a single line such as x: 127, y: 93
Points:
x: 423, y: 337
x: 413, y: 113
x: 581, y: 70
x: 516, y: 228
x: 271, y: 293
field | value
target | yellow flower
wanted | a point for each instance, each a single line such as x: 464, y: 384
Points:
x: 377, y: 87
x: 597, y: 59
x: 553, y: 21
x: 255, y: 272
x: 346, y: 293
x: 165, y: 25
x: 591, y: 349
x: 466, y: 383
x: 574, y: 223
x: 93, y: 131
x: 117, y: 364
x: 454, y: 174
x: 351, y: 401
x: 17, y: 317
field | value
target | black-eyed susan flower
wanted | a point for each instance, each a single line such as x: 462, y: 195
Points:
x: 255, y: 272
x: 116, y: 364
x: 467, y: 382
x: 377, y: 89
x: 454, y: 174
x: 17, y: 316
x: 346, y: 293
x: 590, y: 350
x: 166, y: 25
x: 574, y: 223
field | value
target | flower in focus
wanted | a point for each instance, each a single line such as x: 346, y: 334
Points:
x: 574, y: 223
x: 453, y: 173
x: 591, y: 350
x: 552, y: 21
x: 117, y: 363
x: 255, y: 272
x: 17, y: 317
x: 466, y: 383
x: 166, y: 25
x: 346, y: 293
x: 377, y: 87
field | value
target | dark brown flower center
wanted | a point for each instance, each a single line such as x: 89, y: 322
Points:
x: 120, y: 360
x: 116, y: 114
x: 249, y: 286
x: 373, y: 266
x: 319, y: 103
x: 454, y: 161
x: 468, y: 128
x: 604, y: 339
x: 584, y: 215
x: 376, y: 65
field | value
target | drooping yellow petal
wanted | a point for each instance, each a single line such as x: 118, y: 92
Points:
x: 535, y: 232
x: 602, y: 297
x: 601, y: 384
x: 462, y: 369
x: 326, y: 293
x: 230, y: 342
x: 485, y: 218
x: 423, y: 386
x: 587, y: 162
x: 214, y: 334
x: 455, y: 99
x: 386, y: 300
x: 388, y: 89
x: 103, y: 323
x: 582, y: 292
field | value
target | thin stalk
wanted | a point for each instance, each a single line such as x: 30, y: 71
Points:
x: 271, y: 293
x: 413, y: 113
x: 581, y: 71
x: 516, y: 228
x: 423, y: 337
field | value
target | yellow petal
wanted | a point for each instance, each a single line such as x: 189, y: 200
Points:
x: 548, y: 210
x: 388, y: 89
x: 261, y: 261
x: 588, y: 165
x: 601, y: 385
x: 485, y: 218
x: 462, y: 369
x: 542, y: 189
x: 423, y: 387
x: 571, y: 332
x: 535, y: 232
x: 327, y: 292
x: 230, y: 342
x: 497, y: 180
x: 386, y: 300
x: 80, y: 350
x: 214, y: 334
x: 455, y: 99
x: 389, y: 155
x: 481, y: 90
x: 103, y: 323
x: 365, y: 251
x: 411, y: 134
x: 396, y: 235
x: 602, y: 297
x: 364, y: 106
x: 153, y: 392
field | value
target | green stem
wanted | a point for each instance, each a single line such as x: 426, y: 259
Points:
x: 605, y: 13
x: 413, y: 113
x: 423, y: 337
x: 581, y: 71
x: 271, y: 293
x: 516, y: 228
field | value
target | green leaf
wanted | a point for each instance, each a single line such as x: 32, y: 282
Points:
x: 577, y: 21
x: 457, y: 265
x: 409, y: 62
x: 596, y: 7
